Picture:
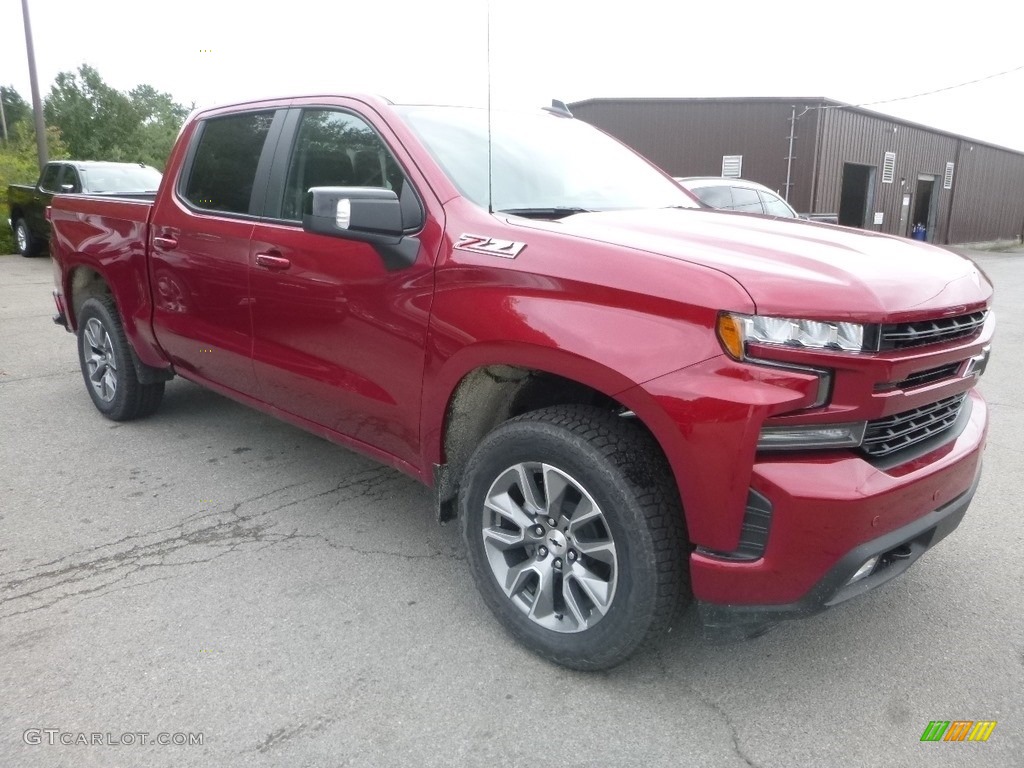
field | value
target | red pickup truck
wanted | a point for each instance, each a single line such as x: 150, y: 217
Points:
x: 629, y: 402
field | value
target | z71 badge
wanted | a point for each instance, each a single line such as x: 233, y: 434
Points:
x: 507, y: 249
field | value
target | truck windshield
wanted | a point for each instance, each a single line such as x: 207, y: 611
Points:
x: 120, y: 178
x: 542, y: 165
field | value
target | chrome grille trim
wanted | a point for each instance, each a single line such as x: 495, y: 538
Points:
x: 894, y: 433
x: 903, y: 335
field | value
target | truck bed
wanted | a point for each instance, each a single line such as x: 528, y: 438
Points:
x: 108, y: 235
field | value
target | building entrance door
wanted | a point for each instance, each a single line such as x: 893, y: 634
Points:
x: 925, y: 208
x: 857, y: 195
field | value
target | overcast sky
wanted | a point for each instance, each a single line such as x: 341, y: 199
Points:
x: 210, y: 51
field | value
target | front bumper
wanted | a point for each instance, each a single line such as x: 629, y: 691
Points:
x: 896, y: 552
x: 828, y: 517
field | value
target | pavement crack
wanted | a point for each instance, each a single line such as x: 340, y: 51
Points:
x: 711, y: 704
x: 278, y: 737
x: 8, y: 379
x: 93, y: 572
x: 434, y: 555
x: 715, y: 707
x: 197, y: 539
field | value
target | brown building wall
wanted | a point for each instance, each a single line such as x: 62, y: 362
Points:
x: 689, y: 137
x: 850, y: 136
x: 988, y: 189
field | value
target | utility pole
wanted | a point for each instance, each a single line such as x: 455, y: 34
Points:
x: 37, y: 103
x: 3, y: 117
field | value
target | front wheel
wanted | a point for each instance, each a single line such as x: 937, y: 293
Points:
x: 574, y: 534
x: 107, y: 364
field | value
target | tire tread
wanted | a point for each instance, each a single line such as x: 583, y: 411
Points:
x: 634, y: 454
x: 134, y: 400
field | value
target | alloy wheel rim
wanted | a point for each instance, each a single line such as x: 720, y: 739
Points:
x: 22, y: 237
x: 100, y: 362
x: 549, y: 547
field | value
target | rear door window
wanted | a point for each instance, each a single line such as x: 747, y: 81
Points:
x: 746, y: 200
x: 224, y: 166
x: 776, y: 206
x: 716, y: 197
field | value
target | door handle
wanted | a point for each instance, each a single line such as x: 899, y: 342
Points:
x: 272, y: 261
x: 165, y: 243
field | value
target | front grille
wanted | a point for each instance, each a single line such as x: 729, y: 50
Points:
x: 902, y: 430
x: 902, y: 335
x: 920, y: 378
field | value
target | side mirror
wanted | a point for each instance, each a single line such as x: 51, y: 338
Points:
x: 370, y: 215
x: 67, y: 187
x: 358, y: 213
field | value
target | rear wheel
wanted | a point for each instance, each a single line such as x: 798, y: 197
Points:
x: 108, y: 367
x: 23, y: 238
x: 574, y: 534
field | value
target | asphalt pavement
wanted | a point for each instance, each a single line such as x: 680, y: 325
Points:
x: 256, y: 596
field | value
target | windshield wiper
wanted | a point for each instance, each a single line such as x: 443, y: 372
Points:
x: 544, y: 213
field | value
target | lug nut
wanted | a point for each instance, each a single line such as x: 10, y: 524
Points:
x: 552, y: 522
x: 572, y: 555
x: 557, y: 563
x: 542, y: 551
x: 539, y: 530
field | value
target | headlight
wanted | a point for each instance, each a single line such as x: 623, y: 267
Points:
x: 735, y: 330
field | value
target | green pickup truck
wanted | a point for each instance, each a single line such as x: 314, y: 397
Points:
x: 28, y: 203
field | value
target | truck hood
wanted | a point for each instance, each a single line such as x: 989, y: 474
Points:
x: 792, y: 267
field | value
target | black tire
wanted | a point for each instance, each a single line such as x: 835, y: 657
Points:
x: 108, y: 367
x: 640, y: 576
x: 23, y: 239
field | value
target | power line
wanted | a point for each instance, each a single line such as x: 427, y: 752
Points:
x: 926, y: 93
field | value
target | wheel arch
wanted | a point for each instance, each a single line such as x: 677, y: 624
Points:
x: 80, y: 284
x: 490, y: 387
x: 83, y: 282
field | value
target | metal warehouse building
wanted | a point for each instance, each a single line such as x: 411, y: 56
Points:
x: 874, y: 171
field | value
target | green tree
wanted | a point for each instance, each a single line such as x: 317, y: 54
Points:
x: 159, y: 120
x: 99, y: 122
x: 16, y: 109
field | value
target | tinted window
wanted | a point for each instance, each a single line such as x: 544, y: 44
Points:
x: 746, y: 200
x: 49, y: 180
x: 224, y: 167
x: 776, y: 206
x: 70, y: 177
x: 336, y: 149
x: 716, y: 197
